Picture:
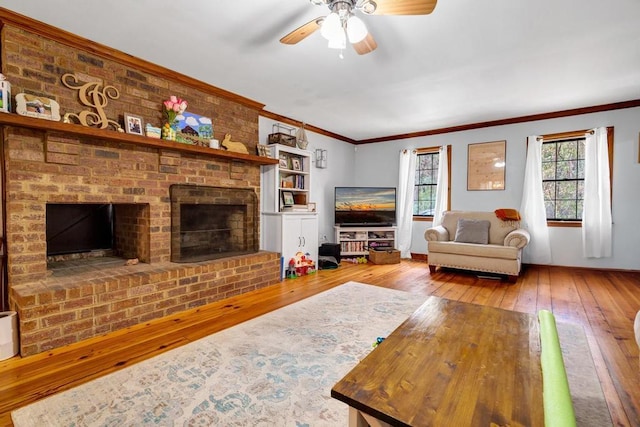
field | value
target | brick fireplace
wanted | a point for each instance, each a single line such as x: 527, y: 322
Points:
x: 65, y: 298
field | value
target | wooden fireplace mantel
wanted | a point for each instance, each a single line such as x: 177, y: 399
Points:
x: 9, y: 119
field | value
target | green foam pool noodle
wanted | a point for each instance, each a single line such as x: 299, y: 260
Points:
x: 558, y: 408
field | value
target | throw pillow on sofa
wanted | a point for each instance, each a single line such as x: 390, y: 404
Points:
x: 472, y: 231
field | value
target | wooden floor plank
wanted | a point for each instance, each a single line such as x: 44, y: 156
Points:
x: 603, y: 302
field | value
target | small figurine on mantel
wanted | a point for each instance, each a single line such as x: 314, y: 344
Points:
x: 236, y: 147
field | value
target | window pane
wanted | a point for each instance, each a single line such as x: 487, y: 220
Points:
x: 567, y: 150
x: 581, y: 169
x: 581, y: 148
x: 566, y: 209
x: 548, y: 170
x: 567, y: 190
x: 423, y: 208
x: 549, y: 189
x: 420, y: 179
x: 549, y: 152
x: 580, y: 190
x: 550, y: 207
x: 426, y: 162
x: 568, y: 169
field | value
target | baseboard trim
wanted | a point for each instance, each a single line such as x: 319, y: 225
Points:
x: 425, y: 258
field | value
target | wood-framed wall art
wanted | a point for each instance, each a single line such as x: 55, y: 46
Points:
x: 133, y: 124
x: 486, y: 164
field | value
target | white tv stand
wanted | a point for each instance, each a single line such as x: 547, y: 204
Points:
x: 356, y: 241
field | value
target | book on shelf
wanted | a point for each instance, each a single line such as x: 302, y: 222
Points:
x: 295, y: 208
x: 292, y: 181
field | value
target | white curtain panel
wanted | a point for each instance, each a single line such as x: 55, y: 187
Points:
x: 532, y: 209
x: 443, y: 186
x: 596, y: 214
x: 406, y: 182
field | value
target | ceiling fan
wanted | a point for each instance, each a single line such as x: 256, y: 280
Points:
x: 342, y: 24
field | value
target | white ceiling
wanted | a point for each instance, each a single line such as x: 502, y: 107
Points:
x: 469, y: 61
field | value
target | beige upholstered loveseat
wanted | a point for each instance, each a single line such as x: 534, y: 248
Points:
x: 478, y: 241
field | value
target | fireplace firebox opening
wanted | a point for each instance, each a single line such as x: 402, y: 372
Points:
x: 212, y: 222
x: 89, y: 230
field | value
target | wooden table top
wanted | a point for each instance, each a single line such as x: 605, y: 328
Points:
x: 452, y: 363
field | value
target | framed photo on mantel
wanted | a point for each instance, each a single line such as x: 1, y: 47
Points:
x: 486, y: 164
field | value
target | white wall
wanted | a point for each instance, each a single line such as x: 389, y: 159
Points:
x: 377, y: 164
x: 339, y: 172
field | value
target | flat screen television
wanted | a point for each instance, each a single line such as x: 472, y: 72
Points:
x: 365, y: 206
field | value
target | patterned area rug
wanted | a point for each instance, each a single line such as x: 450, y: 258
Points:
x: 277, y: 369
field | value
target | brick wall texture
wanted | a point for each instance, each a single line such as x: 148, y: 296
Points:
x: 43, y: 167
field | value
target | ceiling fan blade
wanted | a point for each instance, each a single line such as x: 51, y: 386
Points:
x: 302, y: 32
x: 405, y: 7
x: 366, y: 45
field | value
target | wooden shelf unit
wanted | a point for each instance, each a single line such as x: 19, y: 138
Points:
x: 356, y: 241
x: 292, y: 174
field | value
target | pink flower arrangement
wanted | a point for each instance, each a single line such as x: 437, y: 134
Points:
x: 174, y: 106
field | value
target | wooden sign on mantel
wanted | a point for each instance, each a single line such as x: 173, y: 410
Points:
x: 92, y: 94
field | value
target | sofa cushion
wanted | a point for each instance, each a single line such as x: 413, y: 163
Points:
x: 472, y: 249
x: 472, y: 231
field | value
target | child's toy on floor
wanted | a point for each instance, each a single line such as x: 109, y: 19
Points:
x: 358, y: 260
x: 300, y: 265
x: 378, y: 342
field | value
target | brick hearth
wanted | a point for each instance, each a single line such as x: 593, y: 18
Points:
x: 91, y: 299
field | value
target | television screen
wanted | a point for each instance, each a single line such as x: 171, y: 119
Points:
x: 365, y: 206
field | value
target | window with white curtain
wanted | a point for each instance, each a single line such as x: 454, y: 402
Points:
x: 563, y: 160
x: 424, y: 193
x: 563, y: 178
x: 426, y: 182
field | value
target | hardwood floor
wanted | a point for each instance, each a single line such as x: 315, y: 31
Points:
x: 604, y: 303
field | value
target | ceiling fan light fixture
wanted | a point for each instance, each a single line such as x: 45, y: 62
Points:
x: 356, y: 30
x: 331, y: 27
x: 369, y: 7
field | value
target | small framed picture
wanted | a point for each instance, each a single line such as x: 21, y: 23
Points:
x: 133, y: 124
x: 263, y: 150
x: 311, y: 206
x: 284, y: 161
x: 295, y: 164
x: 287, y: 198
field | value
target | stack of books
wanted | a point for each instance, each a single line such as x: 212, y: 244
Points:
x: 295, y: 208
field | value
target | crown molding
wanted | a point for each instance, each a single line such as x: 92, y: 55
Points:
x: 513, y: 120
x: 310, y: 128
